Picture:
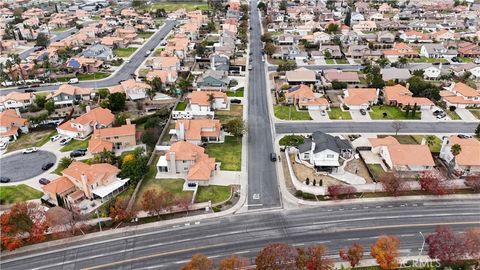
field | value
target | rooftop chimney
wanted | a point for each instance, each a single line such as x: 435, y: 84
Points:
x: 87, y: 108
x: 128, y: 121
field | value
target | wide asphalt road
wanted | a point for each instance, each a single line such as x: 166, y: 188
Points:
x: 263, y: 191
x: 19, y: 167
x: 376, y: 127
x: 55, y: 36
x: 125, y: 70
x: 168, y: 247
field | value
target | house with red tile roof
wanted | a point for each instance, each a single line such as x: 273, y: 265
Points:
x: 204, y: 101
x: 341, y: 76
x: 168, y: 77
x: 11, y: 124
x: 112, y: 138
x: 468, y: 161
x: 133, y: 90
x: 401, y: 49
x: 400, y: 96
x: 178, y: 45
x: 84, y: 65
x: 360, y: 98
x: 461, y: 95
x: 15, y: 100
x: 468, y: 49
x: 412, y: 36
x: 303, y: 97
x: 189, y: 161
x: 83, y: 183
x: 165, y: 62
x: 68, y: 94
x: 82, y: 126
x: 198, y: 131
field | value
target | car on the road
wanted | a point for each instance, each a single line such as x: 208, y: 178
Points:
x: 363, y: 112
x: 55, y: 138
x: 4, y: 179
x: 65, y: 141
x: 273, y: 157
x: 38, y: 48
x: 464, y: 136
x: 147, y: 53
x: 3, y: 145
x: 476, y: 61
x: 73, y: 81
x: 236, y: 101
x: 29, y: 150
x: 47, y: 166
x: 250, y: 67
x: 44, y: 181
x: 127, y: 61
x: 78, y: 153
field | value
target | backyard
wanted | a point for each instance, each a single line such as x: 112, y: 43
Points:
x: 228, y: 153
x: 32, y: 139
x: 74, y: 144
x: 427, y: 60
x: 392, y: 113
x: 92, y: 76
x: 124, y: 52
x: 376, y: 170
x: 290, y: 113
x: 18, y: 193
x: 181, y: 106
x: 213, y: 193
x: 338, y: 114
x: 236, y: 111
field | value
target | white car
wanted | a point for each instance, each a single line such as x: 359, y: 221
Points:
x: 55, y: 138
x: 3, y: 145
x: 73, y: 81
x: 65, y: 141
x: 30, y: 150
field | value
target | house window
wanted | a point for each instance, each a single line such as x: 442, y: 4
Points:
x: 116, y: 137
x: 330, y: 156
x: 184, y: 161
x: 306, y: 155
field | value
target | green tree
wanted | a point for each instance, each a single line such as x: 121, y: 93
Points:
x: 403, y: 61
x: 270, y: 48
x: 134, y: 169
x: 456, y: 149
x: 414, y: 110
x: 42, y: 40
x: 348, y: 18
x: 49, y: 106
x: 283, y: 5
x: 150, y: 137
x: 151, y: 93
x: 267, y: 37
x: 236, y: 127
x: 332, y: 28
x: 103, y: 93
x: 407, y: 110
x: 105, y: 157
x: 152, y: 122
x: 211, y: 26
x: 430, y: 140
x: 157, y: 84
x: 65, y: 162
x: 40, y: 100
x: 262, y: 6
x: 116, y: 101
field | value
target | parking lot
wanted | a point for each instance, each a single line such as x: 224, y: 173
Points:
x: 19, y: 167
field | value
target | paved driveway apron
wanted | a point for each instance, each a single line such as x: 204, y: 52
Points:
x: 19, y: 167
x: 466, y: 115
x: 357, y: 116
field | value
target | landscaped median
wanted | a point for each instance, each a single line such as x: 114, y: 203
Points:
x: 290, y: 113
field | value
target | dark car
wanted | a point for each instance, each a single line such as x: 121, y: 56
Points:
x: 236, y: 101
x: 273, y: 157
x: 47, y: 166
x: 363, y: 112
x: 30, y: 90
x: 4, y: 179
x: 78, y: 153
x: 44, y: 181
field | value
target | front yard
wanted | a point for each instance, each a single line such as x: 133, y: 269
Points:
x: 18, y: 193
x: 338, y: 114
x: 32, y: 139
x: 92, y: 76
x: 376, y: 170
x: 74, y: 144
x: 453, y: 115
x: 124, y: 52
x: 475, y: 112
x: 392, y: 113
x: 236, y: 111
x: 427, y: 60
x: 290, y: 113
x: 145, y: 35
x: 228, y: 153
x: 172, y: 6
x: 236, y: 93
x: 181, y: 106
x: 213, y: 193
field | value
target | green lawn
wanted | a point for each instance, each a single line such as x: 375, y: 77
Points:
x: 466, y: 59
x: 237, y: 93
x: 74, y: 144
x: 181, y: 106
x: 293, y: 140
x: 341, y: 61
x: 475, y: 112
x: 32, y: 139
x: 290, y: 113
x: 453, y: 115
x: 228, y: 153
x: 172, y: 6
x: 145, y: 34
x: 236, y: 111
x: 437, y: 143
x: 18, y: 193
x: 338, y: 114
x: 393, y: 113
x: 92, y: 76
x: 215, y: 194
x: 427, y: 60
x: 330, y: 61
x: 95, y: 18
x: 376, y: 170
x: 124, y: 52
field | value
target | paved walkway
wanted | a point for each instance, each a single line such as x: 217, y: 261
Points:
x: 349, y: 178
x: 226, y: 178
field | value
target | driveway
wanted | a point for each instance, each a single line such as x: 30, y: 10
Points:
x: 357, y: 116
x: 466, y: 115
x: 427, y: 115
x: 315, y: 115
x: 19, y: 167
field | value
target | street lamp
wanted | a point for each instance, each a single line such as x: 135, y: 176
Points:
x: 423, y: 244
x: 99, y: 222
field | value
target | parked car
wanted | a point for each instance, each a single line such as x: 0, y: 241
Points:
x: 44, y: 181
x: 65, y: 141
x: 250, y: 67
x: 437, y: 112
x: 4, y: 179
x: 464, y: 136
x: 3, y: 145
x: 55, y: 138
x: 78, y: 153
x: 363, y: 112
x: 147, y: 53
x: 73, y: 81
x: 455, y: 59
x: 30, y: 150
x: 47, y: 166
x: 476, y: 61
x: 273, y: 157
x: 441, y: 115
x: 323, y: 113
x: 236, y: 101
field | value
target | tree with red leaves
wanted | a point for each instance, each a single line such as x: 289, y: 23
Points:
x: 353, y: 255
x: 23, y: 223
x: 431, y: 183
x: 156, y: 203
x: 446, y: 245
x: 392, y: 184
x: 233, y: 263
x: 472, y: 243
x: 473, y: 182
x: 336, y: 190
x: 62, y: 221
x: 313, y: 258
x: 277, y: 256
x: 119, y: 211
x: 184, y: 202
x: 198, y: 262
x: 385, y: 251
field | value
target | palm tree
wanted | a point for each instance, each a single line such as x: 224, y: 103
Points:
x: 456, y: 149
x: 9, y: 66
x: 403, y: 61
x: 211, y: 100
x: 430, y: 140
x: 3, y: 74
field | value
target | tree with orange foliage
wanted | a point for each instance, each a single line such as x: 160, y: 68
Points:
x: 184, y: 202
x: 472, y: 243
x: 23, y: 223
x: 353, y: 255
x: 198, y: 262
x: 155, y: 203
x: 277, y: 256
x: 233, y: 263
x: 392, y: 184
x: 313, y: 258
x: 385, y: 251
x: 431, y: 183
x: 119, y: 211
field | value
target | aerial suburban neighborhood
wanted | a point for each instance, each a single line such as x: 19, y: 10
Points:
x: 240, y: 134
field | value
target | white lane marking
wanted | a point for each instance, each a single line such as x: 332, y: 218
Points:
x: 242, y: 252
x: 197, y: 222
x: 187, y: 224
x: 299, y: 244
x: 353, y: 239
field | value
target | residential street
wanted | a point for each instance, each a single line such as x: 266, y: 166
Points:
x: 168, y: 247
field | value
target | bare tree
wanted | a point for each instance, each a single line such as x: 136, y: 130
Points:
x: 397, y: 126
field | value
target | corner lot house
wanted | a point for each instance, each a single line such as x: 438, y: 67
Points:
x: 82, y: 182
x: 468, y: 161
x: 324, y: 151
x: 15, y: 100
x: 360, y: 98
x: 11, y: 123
x: 199, y: 131
x: 133, y: 90
x: 68, y: 94
x: 461, y: 95
x: 301, y: 75
x: 303, y: 97
x: 341, y: 76
x: 113, y: 138
x: 213, y: 80
x: 207, y: 101
x: 82, y: 126
x: 189, y: 161
x: 400, y: 96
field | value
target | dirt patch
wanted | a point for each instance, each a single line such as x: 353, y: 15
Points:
x: 286, y: 174
x: 303, y: 172
x: 358, y: 167
x: 32, y: 139
x: 333, y: 96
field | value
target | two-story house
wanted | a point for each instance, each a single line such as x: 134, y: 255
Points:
x: 113, y: 138
x: 133, y: 90
x: 468, y: 160
x: 99, y: 51
x: 203, y: 101
x: 400, y: 96
x: 461, y: 95
x: 15, y: 100
x: 82, y: 126
x: 199, y: 131
x: 436, y: 50
x: 68, y: 95
x: 165, y: 63
x: 11, y: 124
